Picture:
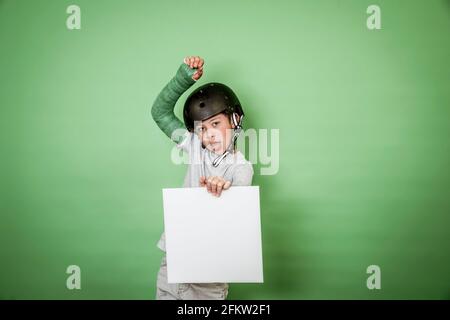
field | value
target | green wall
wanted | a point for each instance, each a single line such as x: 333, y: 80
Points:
x: 364, y: 126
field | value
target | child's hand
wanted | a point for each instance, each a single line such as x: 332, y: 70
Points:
x: 215, y: 185
x: 195, y: 63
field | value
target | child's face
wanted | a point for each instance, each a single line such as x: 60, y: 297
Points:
x: 215, y: 132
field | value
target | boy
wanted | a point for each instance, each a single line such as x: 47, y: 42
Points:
x: 210, y: 114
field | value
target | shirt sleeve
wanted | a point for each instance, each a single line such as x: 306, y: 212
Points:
x: 243, y: 175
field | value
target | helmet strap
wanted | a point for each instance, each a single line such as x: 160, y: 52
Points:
x: 236, y: 132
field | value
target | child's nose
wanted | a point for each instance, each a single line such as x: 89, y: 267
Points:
x: 210, y: 134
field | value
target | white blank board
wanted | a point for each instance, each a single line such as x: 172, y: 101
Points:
x: 213, y: 239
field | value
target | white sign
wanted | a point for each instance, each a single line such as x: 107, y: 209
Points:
x: 213, y: 239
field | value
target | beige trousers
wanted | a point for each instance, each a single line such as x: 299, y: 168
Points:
x: 187, y: 291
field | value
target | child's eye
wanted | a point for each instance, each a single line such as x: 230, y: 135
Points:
x: 215, y: 123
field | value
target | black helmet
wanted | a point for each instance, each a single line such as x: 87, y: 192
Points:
x: 207, y: 101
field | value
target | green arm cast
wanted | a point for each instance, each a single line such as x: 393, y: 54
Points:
x: 162, y: 109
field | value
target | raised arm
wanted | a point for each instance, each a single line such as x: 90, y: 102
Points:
x: 162, y: 109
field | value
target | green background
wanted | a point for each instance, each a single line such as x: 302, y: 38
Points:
x: 364, y: 126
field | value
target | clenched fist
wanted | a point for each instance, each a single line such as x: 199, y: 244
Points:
x: 195, y: 62
x: 215, y: 185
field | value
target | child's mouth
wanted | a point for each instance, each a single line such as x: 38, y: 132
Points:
x: 214, y: 146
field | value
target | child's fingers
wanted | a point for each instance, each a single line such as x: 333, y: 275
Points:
x: 227, y: 185
x: 208, y: 184
x: 196, y: 61
x: 197, y: 75
x: 214, y: 185
x: 188, y: 61
x: 220, y: 185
